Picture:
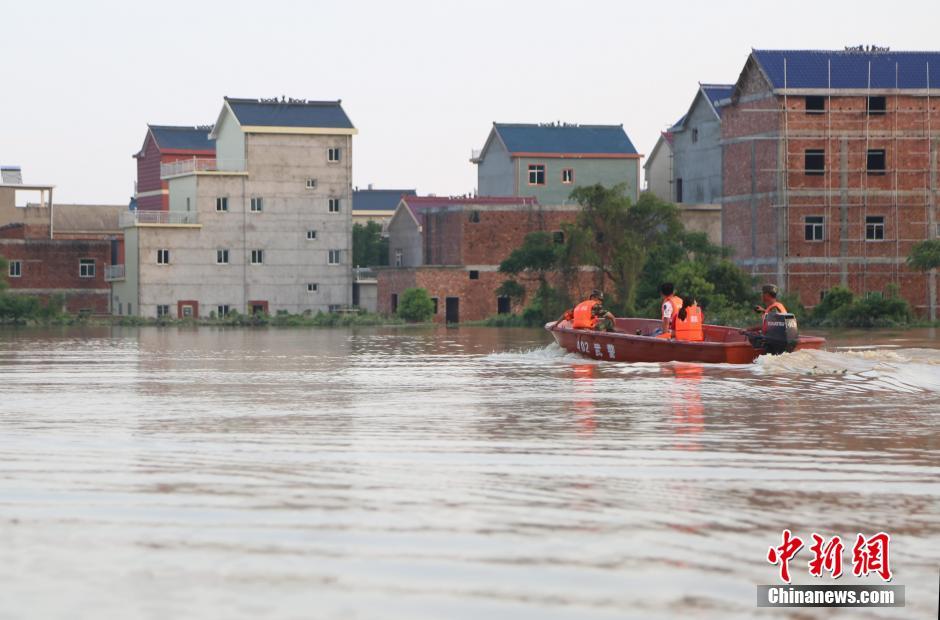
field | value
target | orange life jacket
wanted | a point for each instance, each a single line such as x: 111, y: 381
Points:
x: 777, y: 307
x: 584, y: 315
x: 690, y: 328
x: 676, y: 302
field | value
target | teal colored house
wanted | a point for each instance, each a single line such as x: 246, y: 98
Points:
x: 549, y: 160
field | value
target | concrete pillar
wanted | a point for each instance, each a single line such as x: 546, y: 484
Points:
x: 844, y: 210
x: 932, y: 224
x: 782, y: 214
x: 753, y: 206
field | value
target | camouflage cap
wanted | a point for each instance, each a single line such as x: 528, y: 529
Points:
x: 598, y: 294
x: 770, y: 289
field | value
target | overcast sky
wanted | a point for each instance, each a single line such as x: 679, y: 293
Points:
x: 422, y: 81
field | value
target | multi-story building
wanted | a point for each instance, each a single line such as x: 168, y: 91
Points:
x: 264, y: 227
x: 548, y: 161
x: 57, y: 249
x: 830, y: 166
x: 452, y: 247
x: 376, y: 205
x: 164, y: 144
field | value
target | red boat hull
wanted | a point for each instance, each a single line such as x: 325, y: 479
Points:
x: 722, y: 345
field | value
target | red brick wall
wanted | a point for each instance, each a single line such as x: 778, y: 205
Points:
x: 498, y: 233
x: 148, y: 175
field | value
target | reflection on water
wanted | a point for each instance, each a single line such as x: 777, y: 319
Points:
x: 408, y: 473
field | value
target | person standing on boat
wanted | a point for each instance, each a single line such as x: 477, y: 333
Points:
x: 672, y: 303
x: 590, y: 314
x: 768, y: 294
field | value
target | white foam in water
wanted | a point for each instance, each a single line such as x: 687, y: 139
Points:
x: 550, y: 353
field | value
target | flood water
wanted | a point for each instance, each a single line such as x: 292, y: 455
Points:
x: 449, y: 473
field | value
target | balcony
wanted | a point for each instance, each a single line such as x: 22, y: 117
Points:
x: 200, y: 164
x: 113, y: 273
x: 158, y: 218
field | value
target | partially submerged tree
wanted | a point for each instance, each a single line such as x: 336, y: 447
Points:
x: 925, y: 255
x: 415, y: 305
x: 370, y: 248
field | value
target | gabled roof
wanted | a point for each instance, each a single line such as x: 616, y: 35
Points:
x: 379, y: 199
x: 289, y: 113
x: 559, y: 140
x: 807, y: 69
x: 186, y: 138
x: 717, y: 96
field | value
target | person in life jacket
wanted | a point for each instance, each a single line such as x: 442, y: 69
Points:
x: 590, y: 314
x: 690, y: 322
x: 769, y: 294
x: 672, y: 304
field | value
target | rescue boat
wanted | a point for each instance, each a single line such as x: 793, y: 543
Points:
x: 632, y: 341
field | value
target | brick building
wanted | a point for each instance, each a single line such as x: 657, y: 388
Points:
x: 57, y: 249
x: 164, y: 144
x: 830, y: 165
x: 453, y: 247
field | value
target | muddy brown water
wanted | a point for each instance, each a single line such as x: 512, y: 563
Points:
x: 458, y: 473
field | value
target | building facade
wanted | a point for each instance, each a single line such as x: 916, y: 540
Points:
x: 53, y: 249
x: 657, y: 171
x: 164, y: 144
x: 830, y: 166
x: 264, y: 227
x: 548, y: 161
x: 452, y: 247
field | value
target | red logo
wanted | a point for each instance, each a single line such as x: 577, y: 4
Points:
x: 784, y: 553
x: 869, y: 555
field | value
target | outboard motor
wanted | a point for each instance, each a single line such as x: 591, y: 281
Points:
x: 780, y: 334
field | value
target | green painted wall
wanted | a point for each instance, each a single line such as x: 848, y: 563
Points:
x: 607, y: 172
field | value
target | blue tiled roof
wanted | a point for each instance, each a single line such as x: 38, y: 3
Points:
x: 273, y: 113
x: 810, y: 68
x: 183, y: 138
x: 379, y: 199
x: 717, y: 93
x: 559, y: 139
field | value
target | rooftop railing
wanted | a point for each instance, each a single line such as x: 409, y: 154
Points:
x: 200, y: 164
x: 158, y: 218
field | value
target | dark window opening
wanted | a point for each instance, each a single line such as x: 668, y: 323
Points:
x: 474, y: 274
x: 815, y: 104
x: 694, y: 135
x: 558, y: 237
x: 822, y: 294
x: 678, y: 190
x: 475, y: 217
x: 877, y: 105
x: 876, y: 161
x: 502, y: 305
x: 813, y: 228
x: 815, y: 161
x: 874, y: 228
x: 452, y: 310
x: 394, y: 303
x: 434, y: 301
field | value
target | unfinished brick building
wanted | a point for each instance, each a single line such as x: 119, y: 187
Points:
x: 452, y: 247
x: 830, y: 170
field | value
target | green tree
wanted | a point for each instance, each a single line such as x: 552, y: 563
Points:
x: 415, y: 306
x: 538, y: 256
x: 4, y: 267
x: 370, y: 248
x: 511, y: 289
x: 925, y: 255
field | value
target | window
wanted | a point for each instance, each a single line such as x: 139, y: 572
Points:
x: 332, y: 154
x: 121, y: 307
x: 678, y: 190
x: 822, y: 294
x: 221, y: 257
x: 877, y: 105
x: 257, y: 257
x: 163, y: 257
x: 474, y: 274
x: 130, y: 308
x: 874, y: 228
x: 558, y: 237
x: 814, y: 161
x: 221, y: 203
x: 313, y: 287
x: 334, y: 257
x: 334, y: 205
x: 334, y: 308
x: 16, y: 268
x: 434, y: 301
x: 694, y: 135
x: 813, y: 228
x: 86, y: 268
x: 222, y: 310
x: 474, y: 217
x: 163, y: 311
x: 311, y: 183
x: 876, y: 161
x: 536, y: 174
x: 187, y: 203
x: 399, y: 257
x: 503, y: 305
x: 567, y: 176
x: 394, y: 302
x: 257, y: 204
x: 815, y: 104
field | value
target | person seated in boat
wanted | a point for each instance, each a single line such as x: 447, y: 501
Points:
x: 768, y: 295
x: 690, y: 322
x: 672, y: 304
x: 591, y: 314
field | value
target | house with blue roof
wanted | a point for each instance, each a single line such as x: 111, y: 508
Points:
x: 164, y: 144
x: 549, y: 160
x: 263, y: 225
x: 830, y: 174
x: 377, y: 205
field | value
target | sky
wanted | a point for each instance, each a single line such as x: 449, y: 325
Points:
x: 422, y: 81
